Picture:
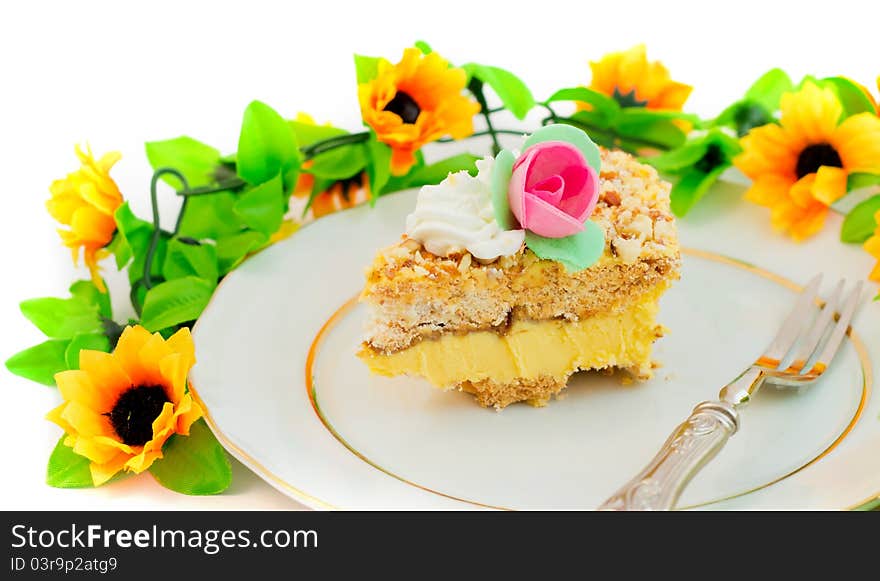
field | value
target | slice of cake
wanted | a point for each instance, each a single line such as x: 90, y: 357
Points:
x: 544, y: 264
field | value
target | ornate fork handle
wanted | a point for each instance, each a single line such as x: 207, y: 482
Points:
x: 693, y: 443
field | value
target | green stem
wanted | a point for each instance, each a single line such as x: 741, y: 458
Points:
x: 483, y: 133
x: 325, y: 145
x: 476, y: 89
x: 157, y: 232
x: 610, y: 136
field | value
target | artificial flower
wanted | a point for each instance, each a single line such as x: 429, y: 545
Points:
x: 872, y: 245
x: 85, y: 201
x: 800, y: 167
x: 120, y: 408
x: 552, y: 189
x: 340, y: 195
x: 414, y: 102
x: 633, y: 81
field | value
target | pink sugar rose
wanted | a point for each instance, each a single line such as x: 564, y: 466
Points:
x: 553, y: 190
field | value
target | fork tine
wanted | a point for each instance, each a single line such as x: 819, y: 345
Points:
x: 791, y: 328
x: 846, y: 315
x: 820, y: 327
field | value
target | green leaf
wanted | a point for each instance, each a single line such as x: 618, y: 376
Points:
x: 513, y: 92
x: 183, y: 259
x: 194, y: 464
x: 175, y: 301
x: 769, y: 88
x: 680, y: 158
x: 859, y: 224
x: 379, y: 166
x: 91, y: 341
x: 861, y: 180
x: 210, y: 216
x: 743, y: 116
x: 137, y: 235
x: 594, y: 124
x: 604, y: 108
x: 231, y: 250
x: 262, y: 208
x: 194, y: 159
x: 308, y: 133
x: 851, y: 95
x: 67, y: 469
x: 423, y: 46
x: 691, y: 188
x: 437, y: 171
x: 340, y: 163
x: 86, y: 290
x: 642, y: 125
x: 575, y: 252
x: 62, y: 318
x: 41, y: 362
x: 266, y: 146
x: 366, y: 68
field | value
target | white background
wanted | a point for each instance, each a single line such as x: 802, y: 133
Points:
x: 118, y: 74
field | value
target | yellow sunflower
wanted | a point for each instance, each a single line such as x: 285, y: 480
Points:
x: 872, y: 245
x: 799, y: 167
x: 121, y: 407
x: 85, y: 201
x: 414, y: 102
x: 633, y: 81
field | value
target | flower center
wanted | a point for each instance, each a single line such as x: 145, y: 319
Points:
x: 815, y: 156
x: 627, y: 99
x: 134, y: 412
x: 404, y: 106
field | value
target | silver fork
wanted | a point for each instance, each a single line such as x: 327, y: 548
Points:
x: 799, y: 354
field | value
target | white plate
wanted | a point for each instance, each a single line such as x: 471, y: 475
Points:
x: 286, y: 395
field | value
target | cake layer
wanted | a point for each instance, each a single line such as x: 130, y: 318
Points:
x: 414, y: 295
x: 533, y: 359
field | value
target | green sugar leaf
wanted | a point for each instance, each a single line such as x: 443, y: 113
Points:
x: 852, y: 97
x: 41, y: 362
x: 67, y: 469
x: 769, y: 88
x: 366, y: 68
x: 500, y: 181
x: 91, y: 341
x: 378, y: 166
x: 183, y: 259
x: 568, y: 134
x: 576, y: 252
x: 859, y: 224
x: 691, y: 188
x: 423, y: 46
x: 175, y: 301
x: 62, y: 318
x: 194, y: 159
x: 513, y: 92
x: 266, y: 146
x: 232, y: 249
x: 194, y: 464
x: 436, y: 172
x: 262, y: 207
x: 604, y: 108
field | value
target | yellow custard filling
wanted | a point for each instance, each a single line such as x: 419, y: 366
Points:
x: 531, y: 349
